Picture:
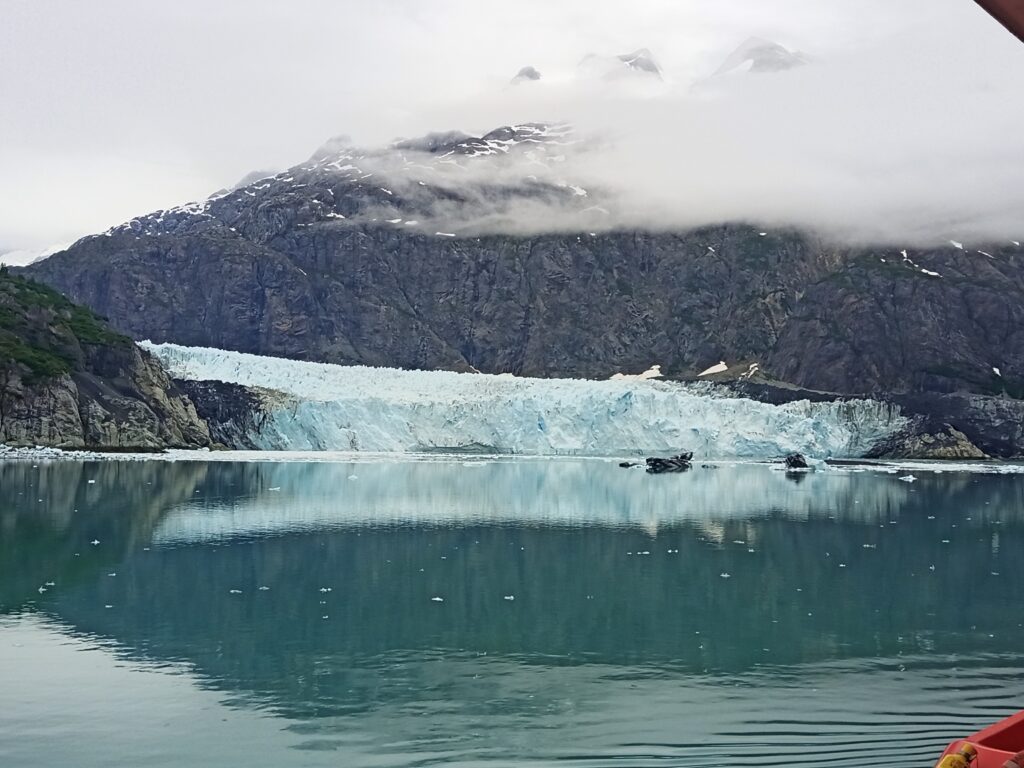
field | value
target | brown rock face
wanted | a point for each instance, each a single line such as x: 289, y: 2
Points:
x: 67, y: 381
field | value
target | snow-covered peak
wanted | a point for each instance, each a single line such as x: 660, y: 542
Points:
x: 639, y: 62
x: 22, y: 258
x: 499, y: 141
x: 526, y: 75
x: 433, y: 142
x: 760, y: 55
x: 332, y: 146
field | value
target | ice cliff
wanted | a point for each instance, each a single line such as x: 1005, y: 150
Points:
x: 332, y: 407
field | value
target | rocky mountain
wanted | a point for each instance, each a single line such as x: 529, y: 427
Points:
x: 639, y: 62
x: 68, y: 380
x: 383, y: 257
x: 525, y: 75
x: 759, y: 55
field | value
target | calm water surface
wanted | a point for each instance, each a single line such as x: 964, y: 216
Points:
x: 510, y: 613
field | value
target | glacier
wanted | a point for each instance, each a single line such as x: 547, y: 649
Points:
x: 358, y: 408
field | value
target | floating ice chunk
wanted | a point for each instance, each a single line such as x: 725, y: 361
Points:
x: 721, y: 367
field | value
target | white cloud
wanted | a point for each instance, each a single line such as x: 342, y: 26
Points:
x: 908, y: 119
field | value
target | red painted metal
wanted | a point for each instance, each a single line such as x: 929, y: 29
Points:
x: 995, y: 744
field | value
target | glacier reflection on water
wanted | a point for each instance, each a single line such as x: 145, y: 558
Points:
x: 284, y: 497
x: 587, y: 614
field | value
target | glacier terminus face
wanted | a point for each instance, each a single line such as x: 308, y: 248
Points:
x: 358, y: 408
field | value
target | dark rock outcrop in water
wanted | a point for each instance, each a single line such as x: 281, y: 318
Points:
x: 795, y: 461
x: 235, y: 414
x: 942, y: 426
x: 658, y: 466
x: 68, y: 381
x: 924, y: 441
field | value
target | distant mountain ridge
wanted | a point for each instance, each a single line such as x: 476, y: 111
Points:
x: 378, y: 257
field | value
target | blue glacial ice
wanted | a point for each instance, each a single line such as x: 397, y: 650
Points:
x: 357, y: 408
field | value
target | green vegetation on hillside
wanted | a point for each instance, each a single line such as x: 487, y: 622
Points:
x: 44, y: 332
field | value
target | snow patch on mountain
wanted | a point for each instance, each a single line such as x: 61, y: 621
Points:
x: 332, y: 407
x: 22, y: 258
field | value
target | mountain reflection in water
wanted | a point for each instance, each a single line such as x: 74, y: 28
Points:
x: 525, y: 612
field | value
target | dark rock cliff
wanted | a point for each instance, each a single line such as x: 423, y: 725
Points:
x: 352, y: 258
x: 68, y: 381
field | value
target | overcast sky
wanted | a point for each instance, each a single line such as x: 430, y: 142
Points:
x: 113, y: 108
